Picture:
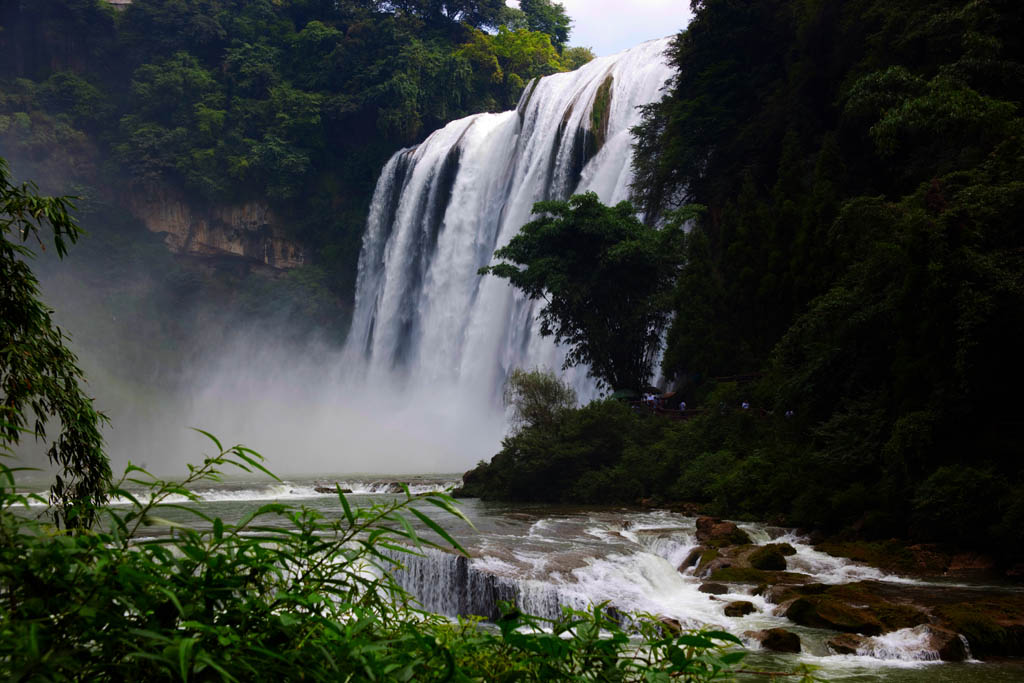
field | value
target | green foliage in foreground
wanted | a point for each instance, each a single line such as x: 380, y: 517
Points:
x: 40, y: 379
x: 286, y: 594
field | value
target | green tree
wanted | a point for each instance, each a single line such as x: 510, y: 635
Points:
x: 40, y: 380
x: 547, y: 17
x: 537, y: 397
x: 606, y: 278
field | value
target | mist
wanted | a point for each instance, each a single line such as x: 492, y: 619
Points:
x: 166, y: 350
x: 301, y: 407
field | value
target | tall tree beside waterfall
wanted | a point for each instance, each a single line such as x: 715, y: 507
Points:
x: 606, y: 280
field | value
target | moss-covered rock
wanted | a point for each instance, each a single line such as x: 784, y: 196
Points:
x: 992, y: 628
x: 699, y: 558
x: 716, y: 533
x: 757, y: 577
x: 769, y: 557
x: 827, y: 612
x: 852, y: 608
x: 892, y: 556
x: 600, y: 113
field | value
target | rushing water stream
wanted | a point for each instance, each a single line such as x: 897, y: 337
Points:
x: 543, y: 557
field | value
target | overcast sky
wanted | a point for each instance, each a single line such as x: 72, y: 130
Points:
x: 610, y: 26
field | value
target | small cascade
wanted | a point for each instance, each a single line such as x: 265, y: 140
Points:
x: 424, y: 320
x: 454, y: 585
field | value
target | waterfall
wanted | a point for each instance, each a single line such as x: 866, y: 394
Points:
x: 450, y: 584
x: 426, y: 326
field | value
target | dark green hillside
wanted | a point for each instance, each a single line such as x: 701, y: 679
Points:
x: 861, y: 257
x: 217, y: 104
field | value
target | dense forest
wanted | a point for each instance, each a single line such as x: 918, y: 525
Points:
x: 294, y: 104
x: 855, y: 276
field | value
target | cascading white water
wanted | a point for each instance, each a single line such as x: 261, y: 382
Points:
x: 423, y: 317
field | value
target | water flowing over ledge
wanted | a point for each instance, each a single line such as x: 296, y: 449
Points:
x: 423, y: 317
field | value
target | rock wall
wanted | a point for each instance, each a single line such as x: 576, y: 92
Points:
x: 249, y: 230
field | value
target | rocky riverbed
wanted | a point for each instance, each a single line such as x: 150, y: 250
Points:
x: 957, y: 621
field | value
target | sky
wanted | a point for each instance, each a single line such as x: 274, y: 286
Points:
x: 610, y: 26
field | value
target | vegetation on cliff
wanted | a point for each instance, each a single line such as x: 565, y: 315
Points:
x: 296, y: 104
x: 171, y: 107
x: 858, y: 270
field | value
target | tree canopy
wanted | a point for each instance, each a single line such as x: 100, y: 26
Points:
x: 547, y: 17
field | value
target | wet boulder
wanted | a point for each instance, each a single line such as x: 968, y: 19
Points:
x: 757, y: 577
x: 718, y: 533
x: 692, y: 559
x: 713, y: 588
x: 776, y: 639
x: 771, y: 557
x: 993, y: 625
x: 739, y: 608
x: 330, y: 489
x: 846, y: 644
x: 827, y: 612
x: 852, y: 608
x: 949, y: 645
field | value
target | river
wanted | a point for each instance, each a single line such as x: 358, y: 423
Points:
x: 546, y: 556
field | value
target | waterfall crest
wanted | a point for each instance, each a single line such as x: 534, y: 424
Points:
x: 423, y: 317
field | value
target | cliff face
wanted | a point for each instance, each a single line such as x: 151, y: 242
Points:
x: 249, y: 230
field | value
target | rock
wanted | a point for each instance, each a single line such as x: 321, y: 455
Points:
x: 993, y: 626
x: 852, y: 608
x: 845, y: 644
x: 330, y: 489
x: 776, y: 639
x: 757, y: 576
x: 713, y: 588
x: 248, y: 230
x: 740, y: 608
x: 824, y: 612
x: 948, y: 644
x: 692, y: 559
x: 770, y: 557
x: 672, y: 625
x: 718, y: 533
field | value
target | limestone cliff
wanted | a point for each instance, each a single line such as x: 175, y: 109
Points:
x: 249, y: 230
